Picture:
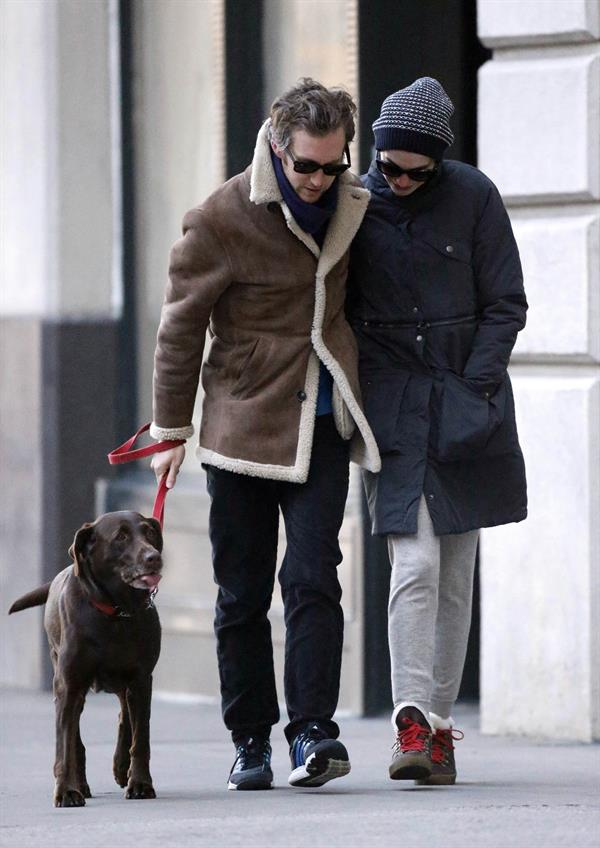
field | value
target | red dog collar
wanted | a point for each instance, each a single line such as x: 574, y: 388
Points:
x: 105, y: 608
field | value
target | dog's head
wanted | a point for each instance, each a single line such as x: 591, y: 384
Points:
x: 119, y: 549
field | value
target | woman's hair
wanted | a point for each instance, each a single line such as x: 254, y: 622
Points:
x: 311, y: 107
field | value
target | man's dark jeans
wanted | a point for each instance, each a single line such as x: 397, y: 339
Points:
x: 243, y: 525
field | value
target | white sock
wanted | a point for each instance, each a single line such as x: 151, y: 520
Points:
x: 439, y: 723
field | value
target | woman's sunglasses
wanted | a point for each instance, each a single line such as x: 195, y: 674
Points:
x: 390, y: 169
x: 330, y: 169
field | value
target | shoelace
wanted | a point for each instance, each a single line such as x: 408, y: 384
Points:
x: 303, y: 740
x: 412, y: 738
x: 253, y: 755
x: 442, y: 743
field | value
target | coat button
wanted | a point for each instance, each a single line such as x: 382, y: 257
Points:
x: 419, y: 338
x: 431, y: 497
x: 486, y: 395
x: 301, y: 395
x: 449, y: 248
x: 415, y: 309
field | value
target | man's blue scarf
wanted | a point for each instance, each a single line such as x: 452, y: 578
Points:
x: 313, y: 218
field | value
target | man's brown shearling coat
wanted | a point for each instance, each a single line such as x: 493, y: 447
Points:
x: 273, y: 304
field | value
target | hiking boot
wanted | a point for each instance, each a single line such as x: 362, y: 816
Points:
x: 316, y: 758
x: 252, y: 765
x: 443, y: 772
x: 411, y: 759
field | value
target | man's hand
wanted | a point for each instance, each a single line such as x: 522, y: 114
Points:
x: 168, y: 462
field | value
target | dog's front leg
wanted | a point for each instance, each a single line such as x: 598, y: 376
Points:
x: 69, y: 700
x: 81, y: 775
x: 121, y: 758
x: 139, y: 695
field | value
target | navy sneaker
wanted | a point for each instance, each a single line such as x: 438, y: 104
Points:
x: 316, y: 758
x: 252, y: 765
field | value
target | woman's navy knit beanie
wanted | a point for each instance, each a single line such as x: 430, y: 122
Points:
x: 416, y: 119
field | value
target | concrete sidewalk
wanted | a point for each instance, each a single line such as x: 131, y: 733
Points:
x: 511, y: 792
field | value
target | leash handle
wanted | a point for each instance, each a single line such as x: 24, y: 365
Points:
x: 125, y: 453
x: 158, y: 511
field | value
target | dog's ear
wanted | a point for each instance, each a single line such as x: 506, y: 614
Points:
x: 81, y: 546
x: 156, y: 525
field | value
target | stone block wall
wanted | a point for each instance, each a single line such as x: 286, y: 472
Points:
x: 539, y: 140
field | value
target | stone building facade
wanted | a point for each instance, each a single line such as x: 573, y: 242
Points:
x: 125, y: 113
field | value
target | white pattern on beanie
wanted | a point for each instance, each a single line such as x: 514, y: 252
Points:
x: 416, y: 118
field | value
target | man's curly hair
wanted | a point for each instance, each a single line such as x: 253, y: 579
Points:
x: 311, y: 107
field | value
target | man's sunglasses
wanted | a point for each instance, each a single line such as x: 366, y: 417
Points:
x: 330, y: 169
x: 390, y: 169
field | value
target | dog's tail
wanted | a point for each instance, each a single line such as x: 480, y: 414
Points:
x: 36, y: 598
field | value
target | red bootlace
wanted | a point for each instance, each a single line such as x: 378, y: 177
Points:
x: 413, y: 737
x: 442, y: 743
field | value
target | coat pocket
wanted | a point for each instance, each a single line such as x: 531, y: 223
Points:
x: 252, y: 373
x: 447, y: 261
x: 382, y: 397
x: 456, y: 250
x: 468, y: 418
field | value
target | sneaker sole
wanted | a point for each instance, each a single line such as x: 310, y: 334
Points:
x: 437, y: 780
x: 317, y: 770
x: 249, y: 785
x: 415, y: 768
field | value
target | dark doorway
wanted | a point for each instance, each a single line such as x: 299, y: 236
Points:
x: 244, y: 81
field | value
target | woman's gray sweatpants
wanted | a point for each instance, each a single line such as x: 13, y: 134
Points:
x: 429, y: 614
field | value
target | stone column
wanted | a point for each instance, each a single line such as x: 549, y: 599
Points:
x: 539, y: 140
x: 61, y: 293
x: 179, y: 159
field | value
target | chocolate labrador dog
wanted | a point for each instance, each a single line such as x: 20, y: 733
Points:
x: 104, y: 633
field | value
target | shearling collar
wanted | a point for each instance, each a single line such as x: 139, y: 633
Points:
x: 352, y: 205
x: 264, y: 187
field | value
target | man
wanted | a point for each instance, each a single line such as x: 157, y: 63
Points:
x: 437, y: 301
x: 263, y: 264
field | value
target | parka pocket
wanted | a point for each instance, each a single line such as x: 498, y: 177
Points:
x: 446, y: 262
x: 449, y: 247
x: 382, y: 397
x: 468, y: 417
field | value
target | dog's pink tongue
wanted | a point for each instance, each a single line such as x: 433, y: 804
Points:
x: 151, y: 580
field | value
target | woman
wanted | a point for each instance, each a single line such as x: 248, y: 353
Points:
x: 436, y: 300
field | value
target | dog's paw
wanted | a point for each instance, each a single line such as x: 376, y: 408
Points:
x: 120, y: 776
x: 121, y: 764
x: 85, y: 790
x: 139, y: 789
x: 69, y: 798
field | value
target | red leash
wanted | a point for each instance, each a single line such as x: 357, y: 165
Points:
x: 124, y: 453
